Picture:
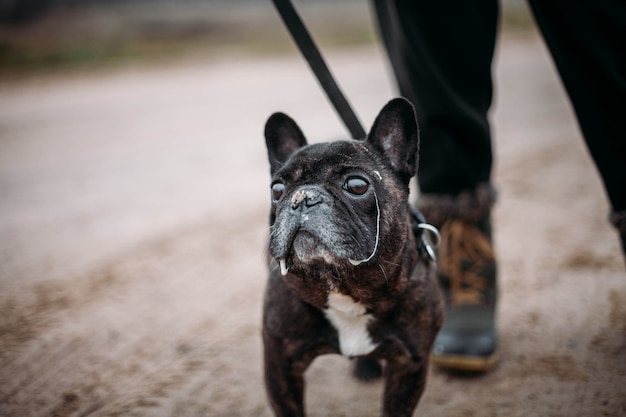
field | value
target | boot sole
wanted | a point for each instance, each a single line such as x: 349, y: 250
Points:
x: 465, y: 363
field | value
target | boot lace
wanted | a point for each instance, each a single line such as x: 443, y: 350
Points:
x: 465, y: 252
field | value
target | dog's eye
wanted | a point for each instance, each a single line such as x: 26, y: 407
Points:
x: 277, y: 190
x: 356, y: 186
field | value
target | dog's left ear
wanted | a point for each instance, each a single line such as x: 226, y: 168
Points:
x: 395, y: 134
x: 282, y: 137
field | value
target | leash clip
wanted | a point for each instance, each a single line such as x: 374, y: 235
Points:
x: 431, y: 239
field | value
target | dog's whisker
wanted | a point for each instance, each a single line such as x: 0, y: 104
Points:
x: 382, y: 268
x: 337, y: 275
x: 392, y: 263
x: 354, y: 239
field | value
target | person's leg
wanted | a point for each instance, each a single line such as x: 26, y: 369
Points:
x: 587, y: 41
x: 442, y: 54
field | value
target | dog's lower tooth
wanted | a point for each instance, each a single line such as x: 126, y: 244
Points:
x: 283, y: 267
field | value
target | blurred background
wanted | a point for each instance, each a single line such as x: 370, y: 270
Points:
x: 133, y: 213
x: 62, y: 34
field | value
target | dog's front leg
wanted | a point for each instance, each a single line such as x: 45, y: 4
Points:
x: 405, y: 380
x: 284, y: 380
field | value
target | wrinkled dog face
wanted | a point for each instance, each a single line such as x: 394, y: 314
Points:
x: 329, y: 200
x: 325, y: 211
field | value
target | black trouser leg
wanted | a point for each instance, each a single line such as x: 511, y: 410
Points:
x: 587, y: 40
x: 442, y: 54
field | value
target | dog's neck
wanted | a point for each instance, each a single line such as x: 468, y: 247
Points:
x: 384, y: 280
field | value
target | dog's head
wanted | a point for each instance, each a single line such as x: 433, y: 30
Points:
x: 341, y: 205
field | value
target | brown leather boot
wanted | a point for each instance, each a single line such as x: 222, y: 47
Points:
x: 467, y: 273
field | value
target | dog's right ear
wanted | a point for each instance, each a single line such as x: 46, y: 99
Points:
x: 395, y: 134
x: 282, y: 137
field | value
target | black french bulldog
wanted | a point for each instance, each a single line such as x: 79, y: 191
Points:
x: 350, y: 269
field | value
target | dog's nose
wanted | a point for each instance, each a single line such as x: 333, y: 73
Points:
x: 309, y: 197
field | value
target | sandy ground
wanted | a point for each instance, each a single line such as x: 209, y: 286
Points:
x: 132, y: 227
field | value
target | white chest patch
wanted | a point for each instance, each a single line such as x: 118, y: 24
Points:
x: 349, y: 319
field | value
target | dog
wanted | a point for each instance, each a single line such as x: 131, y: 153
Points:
x: 351, y: 270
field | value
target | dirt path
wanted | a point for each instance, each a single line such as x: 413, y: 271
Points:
x: 133, y: 220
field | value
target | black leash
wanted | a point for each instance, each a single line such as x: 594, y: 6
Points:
x: 307, y: 47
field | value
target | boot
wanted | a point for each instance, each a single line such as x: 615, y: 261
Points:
x: 468, y: 338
